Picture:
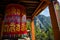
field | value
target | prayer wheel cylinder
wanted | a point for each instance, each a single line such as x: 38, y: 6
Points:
x: 14, y: 22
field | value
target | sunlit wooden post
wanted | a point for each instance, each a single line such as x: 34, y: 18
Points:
x: 54, y: 22
x: 32, y: 29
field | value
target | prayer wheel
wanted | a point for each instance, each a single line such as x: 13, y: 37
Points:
x: 14, y: 22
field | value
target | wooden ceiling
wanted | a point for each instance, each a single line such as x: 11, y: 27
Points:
x: 31, y: 5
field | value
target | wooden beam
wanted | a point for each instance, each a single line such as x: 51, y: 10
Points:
x: 30, y: 7
x: 37, y: 8
x: 28, y: 17
x: 40, y: 9
x: 29, y: 1
x: 32, y: 29
x: 48, y: 1
x: 44, y: 0
x: 54, y: 22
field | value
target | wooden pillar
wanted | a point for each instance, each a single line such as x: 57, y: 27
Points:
x: 54, y: 22
x: 1, y: 19
x: 32, y: 30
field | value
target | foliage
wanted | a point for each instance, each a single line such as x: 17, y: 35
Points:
x: 28, y: 25
x: 43, y: 29
x: 40, y: 34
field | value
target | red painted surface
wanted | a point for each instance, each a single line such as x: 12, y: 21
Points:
x: 14, y: 22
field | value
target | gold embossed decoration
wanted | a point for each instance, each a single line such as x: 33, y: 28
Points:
x: 13, y: 19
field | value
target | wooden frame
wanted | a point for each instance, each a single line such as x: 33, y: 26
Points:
x: 40, y: 8
x: 32, y: 29
x: 53, y: 18
x: 54, y: 22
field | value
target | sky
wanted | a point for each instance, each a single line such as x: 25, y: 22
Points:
x: 58, y: 1
x: 45, y: 12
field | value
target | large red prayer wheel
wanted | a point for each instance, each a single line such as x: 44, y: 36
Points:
x: 14, y: 20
